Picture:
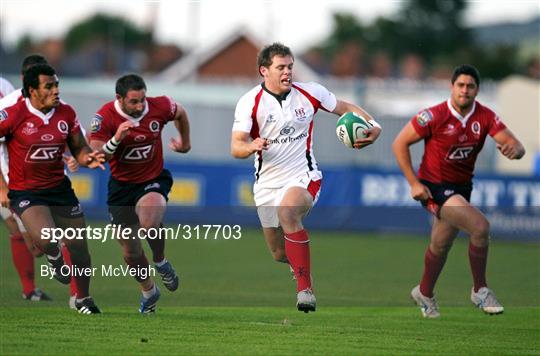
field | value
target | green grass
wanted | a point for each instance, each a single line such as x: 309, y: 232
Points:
x: 234, y: 299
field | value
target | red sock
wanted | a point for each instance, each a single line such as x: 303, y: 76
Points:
x: 297, y: 251
x: 67, y: 262
x: 433, y: 266
x: 24, y: 262
x: 478, y: 262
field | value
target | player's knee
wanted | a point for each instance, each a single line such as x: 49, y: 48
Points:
x: 481, y: 230
x: 148, y: 222
x: 289, y: 216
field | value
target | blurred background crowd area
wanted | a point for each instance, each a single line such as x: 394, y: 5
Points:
x: 393, y: 65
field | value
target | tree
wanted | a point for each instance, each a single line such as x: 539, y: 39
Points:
x: 107, y: 29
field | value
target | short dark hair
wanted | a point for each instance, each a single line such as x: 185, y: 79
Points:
x: 31, y: 77
x: 264, y: 59
x: 129, y: 82
x: 466, y: 69
x: 32, y: 60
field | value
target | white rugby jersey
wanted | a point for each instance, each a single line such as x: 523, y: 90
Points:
x: 287, y: 127
x: 8, y: 99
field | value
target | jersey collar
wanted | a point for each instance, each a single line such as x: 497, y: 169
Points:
x: 44, y: 117
x: 279, y: 98
x: 134, y: 120
x: 458, y: 116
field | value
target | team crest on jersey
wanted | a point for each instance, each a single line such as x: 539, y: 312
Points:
x: 63, y: 127
x: 29, y: 129
x: 95, y: 125
x: 154, y: 126
x: 3, y: 115
x: 300, y: 114
x: 475, y: 127
x: 424, y: 117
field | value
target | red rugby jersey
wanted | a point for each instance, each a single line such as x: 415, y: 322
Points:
x: 139, y: 157
x: 36, y: 142
x: 452, y: 142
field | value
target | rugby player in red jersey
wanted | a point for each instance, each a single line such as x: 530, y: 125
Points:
x: 454, y: 132
x: 128, y: 131
x: 22, y: 248
x: 37, y: 131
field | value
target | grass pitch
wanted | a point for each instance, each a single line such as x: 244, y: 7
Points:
x: 234, y: 299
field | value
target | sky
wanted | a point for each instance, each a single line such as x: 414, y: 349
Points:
x: 297, y: 23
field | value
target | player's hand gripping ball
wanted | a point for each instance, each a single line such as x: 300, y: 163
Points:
x: 350, y: 127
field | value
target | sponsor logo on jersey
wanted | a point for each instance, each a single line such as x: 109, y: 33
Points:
x: 24, y: 203
x: 270, y: 118
x: 44, y: 153
x: 140, y: 138
x: 3, y: 115
x: 450, y: 130
x: 424, y: 117
x: 287, y: 131
x: 47, y: 137
x: 138, y: 153
x: 300, y: 114
x: 63, y: 127
x: 475, y: 127
x: 154, y: 126
x: 29, y: 129
x: 95, y: 124
x: 460, y: 153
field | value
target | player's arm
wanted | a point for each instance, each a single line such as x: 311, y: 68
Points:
x: 4, y: 200
x: 509, y: 145
x: 243, y: 147
x: 407, y: 137
x: 108, y: 148
x: 181, y: 122
x: 372, y: 134
x: 84, y: 155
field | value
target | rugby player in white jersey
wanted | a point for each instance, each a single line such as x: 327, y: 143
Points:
x: 274, y: 121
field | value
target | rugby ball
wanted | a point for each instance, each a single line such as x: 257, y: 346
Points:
x: 350, y: 126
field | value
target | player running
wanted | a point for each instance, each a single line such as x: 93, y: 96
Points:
x: 454, y: 132
x: 274, y: 121
x: 128, y: 131
x: 37, y: 131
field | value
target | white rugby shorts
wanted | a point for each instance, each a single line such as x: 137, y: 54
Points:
x: 268, y: 200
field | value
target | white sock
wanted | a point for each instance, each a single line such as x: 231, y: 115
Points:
x: 148, y: 293
x: 81, y: 299
x: 159, y: 264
